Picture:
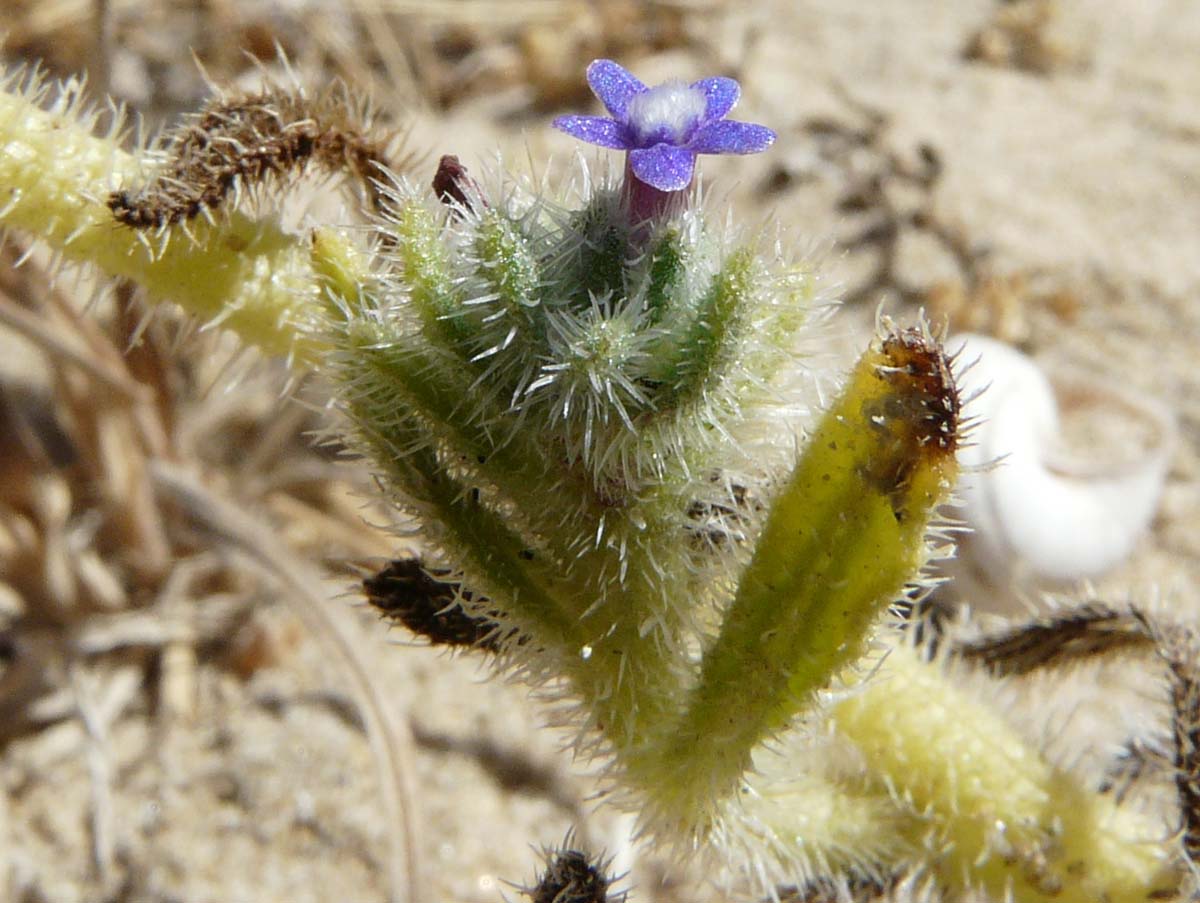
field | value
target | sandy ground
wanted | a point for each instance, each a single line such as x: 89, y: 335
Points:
x: 1051, y: 155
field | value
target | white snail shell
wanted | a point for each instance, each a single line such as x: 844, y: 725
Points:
x: 1035, y: 508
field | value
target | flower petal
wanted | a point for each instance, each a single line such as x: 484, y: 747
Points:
x: 664, y: 166
x: 731, y: 137
x: 595, y: 130
x: 614, y: 85
x: 721, y: 94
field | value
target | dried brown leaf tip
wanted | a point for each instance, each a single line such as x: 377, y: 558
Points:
x: 572, y: 877
x: 915, y: 414
x: 247, y: 141
x: 920, y: 370
x: 1179, y: 647
x: 454, y: 186
x: 405, y: 591
x: 1060, y: 639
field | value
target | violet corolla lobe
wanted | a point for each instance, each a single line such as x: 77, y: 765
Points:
x: 663, y: 128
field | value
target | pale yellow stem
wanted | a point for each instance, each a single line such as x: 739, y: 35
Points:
x: 1003, y: 817
x: 248, y: 274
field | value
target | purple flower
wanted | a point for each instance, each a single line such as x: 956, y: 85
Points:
x: 664, y: 127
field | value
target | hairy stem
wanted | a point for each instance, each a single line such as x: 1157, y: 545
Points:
x: 1004, y: 819
x: 624, y: 660
x: 248, y: 274
x: 843, y: 536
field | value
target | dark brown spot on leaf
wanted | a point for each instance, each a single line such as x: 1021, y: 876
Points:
x: 405, y: 591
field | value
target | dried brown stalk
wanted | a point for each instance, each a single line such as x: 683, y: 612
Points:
x: 246, y: 141
x: 390, y: 738
x: 1070, y: 636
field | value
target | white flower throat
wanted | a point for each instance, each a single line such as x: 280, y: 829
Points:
x: 666, y: 112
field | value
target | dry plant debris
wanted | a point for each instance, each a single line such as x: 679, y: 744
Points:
x: 114, y: 609
x: 405, y: 592
x: 1022, y: 35
x: 882, y: 193
x: 464, y: 50
x: 888, y: 196
x: 250, y: 143
x: 1179, y: 648
x: 572, y: 876
x: 1074, y: 633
